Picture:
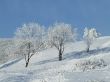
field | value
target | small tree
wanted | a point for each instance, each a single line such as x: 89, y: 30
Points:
x: 59, y: 34
x: 29, y: 40
x: 89, y: 36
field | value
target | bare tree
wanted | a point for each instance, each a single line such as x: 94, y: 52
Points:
x: 29, y: 40
x: 89, y: 36
x: 59, y: 34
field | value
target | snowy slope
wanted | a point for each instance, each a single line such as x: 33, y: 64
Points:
x: 76, y: 66
x: 4, y: 44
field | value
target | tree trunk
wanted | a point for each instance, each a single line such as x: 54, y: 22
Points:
x: 87, y: 49
x: 60, y: 55
x: 27, y: 63
x: 28, y: 57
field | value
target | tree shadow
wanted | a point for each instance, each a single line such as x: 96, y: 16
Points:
x: 10, y: 63
x: 76, y: 55
x: 82, y: 54
x: 46, y: 61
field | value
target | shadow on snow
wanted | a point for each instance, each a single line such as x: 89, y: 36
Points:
x: 76, y: 55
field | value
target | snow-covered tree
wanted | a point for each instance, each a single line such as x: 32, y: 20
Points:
x: 59, y: 34
x: 29, y: 40
x: 89, y: 36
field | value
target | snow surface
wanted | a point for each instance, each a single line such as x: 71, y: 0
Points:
x: 76, y: 66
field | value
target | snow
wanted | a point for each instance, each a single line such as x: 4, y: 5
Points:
x: 45, y: 67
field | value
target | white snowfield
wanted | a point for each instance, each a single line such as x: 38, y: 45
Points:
x: 76, y: 66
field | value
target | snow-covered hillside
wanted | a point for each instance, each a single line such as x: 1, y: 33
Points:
x: 5, y: 43
x: 76, y: 66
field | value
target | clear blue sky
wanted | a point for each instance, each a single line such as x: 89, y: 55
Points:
x: 79, y: 13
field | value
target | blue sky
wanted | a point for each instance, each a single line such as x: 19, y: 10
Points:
x: 79, y: 13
